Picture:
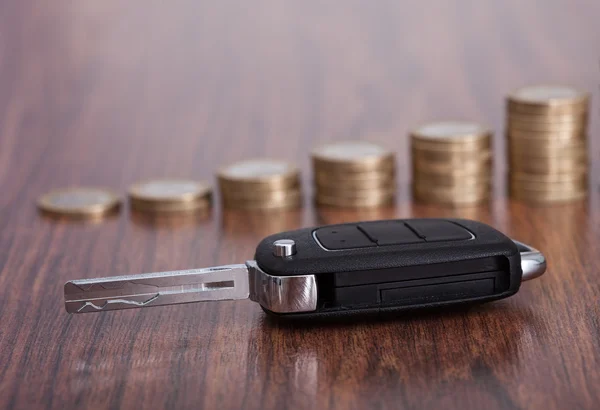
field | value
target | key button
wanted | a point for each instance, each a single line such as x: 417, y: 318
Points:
x: 389, y: 233
x: 336, y: 237
x: 437, y: 231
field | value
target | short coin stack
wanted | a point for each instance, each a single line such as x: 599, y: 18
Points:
x: 170, y: 195
x: 260, y: 184
x: 79, y: 203
x: 354, y: 174
x: 547, y: 144
x: 452, y: 163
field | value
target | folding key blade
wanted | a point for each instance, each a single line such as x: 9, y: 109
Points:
x: 155, y: 289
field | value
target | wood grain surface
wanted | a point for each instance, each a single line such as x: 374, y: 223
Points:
x: 106, y: 93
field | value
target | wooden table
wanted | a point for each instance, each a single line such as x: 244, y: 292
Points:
x: 111, y: 92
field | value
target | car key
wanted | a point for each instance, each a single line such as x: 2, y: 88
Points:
x: 359, y: 267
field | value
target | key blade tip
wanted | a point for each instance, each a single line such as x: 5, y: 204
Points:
x: 70, y: 288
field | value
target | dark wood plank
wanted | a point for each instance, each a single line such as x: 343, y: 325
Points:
x: 111, y: 92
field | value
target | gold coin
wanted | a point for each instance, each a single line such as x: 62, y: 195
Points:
x: 466, y: 166
x: 547, y: 148
x: 576, y: 185
x: 203, y: 204
x: 352, y: 156
x: 170, y: 195
x: 258, y: 196
x: 381, y: 181
x: 452, y: 149
x: 450, y: 180
x: 547, y: 127
x: 535, y: 142
x: 361, y: 202
x: 551, y: 118
x: 543, y: 180
x: 252, y: 191
x: 544, y: 136
x: 261, y: 206
x: 79, y: 202
x: 355, y: 180
x: 548, y: 165
x: 449, y: 156
x: 384, y: 173
x: 169, y: 191
x: 547, y: 189
x: 547, y: 98
x: 388, y: 168
x: 358, y: 194
x: 482, y: 187
x: 360, y: 186
x: 452, y: 135
x: 259, y: 174
x: 454, y: 201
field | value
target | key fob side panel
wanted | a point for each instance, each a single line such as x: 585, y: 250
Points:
x: 399, y: 264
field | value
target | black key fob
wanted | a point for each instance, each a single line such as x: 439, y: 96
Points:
x: 388, y: 265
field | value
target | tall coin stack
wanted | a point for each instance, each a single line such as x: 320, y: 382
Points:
x: 260, y: 184
x: 354, y: 174
x: 452, y: 163
x: 547, y: 144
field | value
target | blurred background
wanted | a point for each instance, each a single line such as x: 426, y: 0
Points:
x: 108, y: 93
x: 144, y: 89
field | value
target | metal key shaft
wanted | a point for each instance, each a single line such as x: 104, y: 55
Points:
x: 278, y: 294
x: 154, y: 289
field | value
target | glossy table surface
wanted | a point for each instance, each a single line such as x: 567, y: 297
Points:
x: 107, y: 93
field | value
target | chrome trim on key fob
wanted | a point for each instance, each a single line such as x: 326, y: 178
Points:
x: 533, y: 262
x: 282, y: 294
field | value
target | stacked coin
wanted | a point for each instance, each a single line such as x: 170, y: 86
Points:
x: 547, y: 143
x: 452, y: 163
x: 354, y: 174
x: 170, y: 195
x: 260, y: 184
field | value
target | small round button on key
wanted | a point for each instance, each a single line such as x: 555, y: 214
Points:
x: 284, y: 248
